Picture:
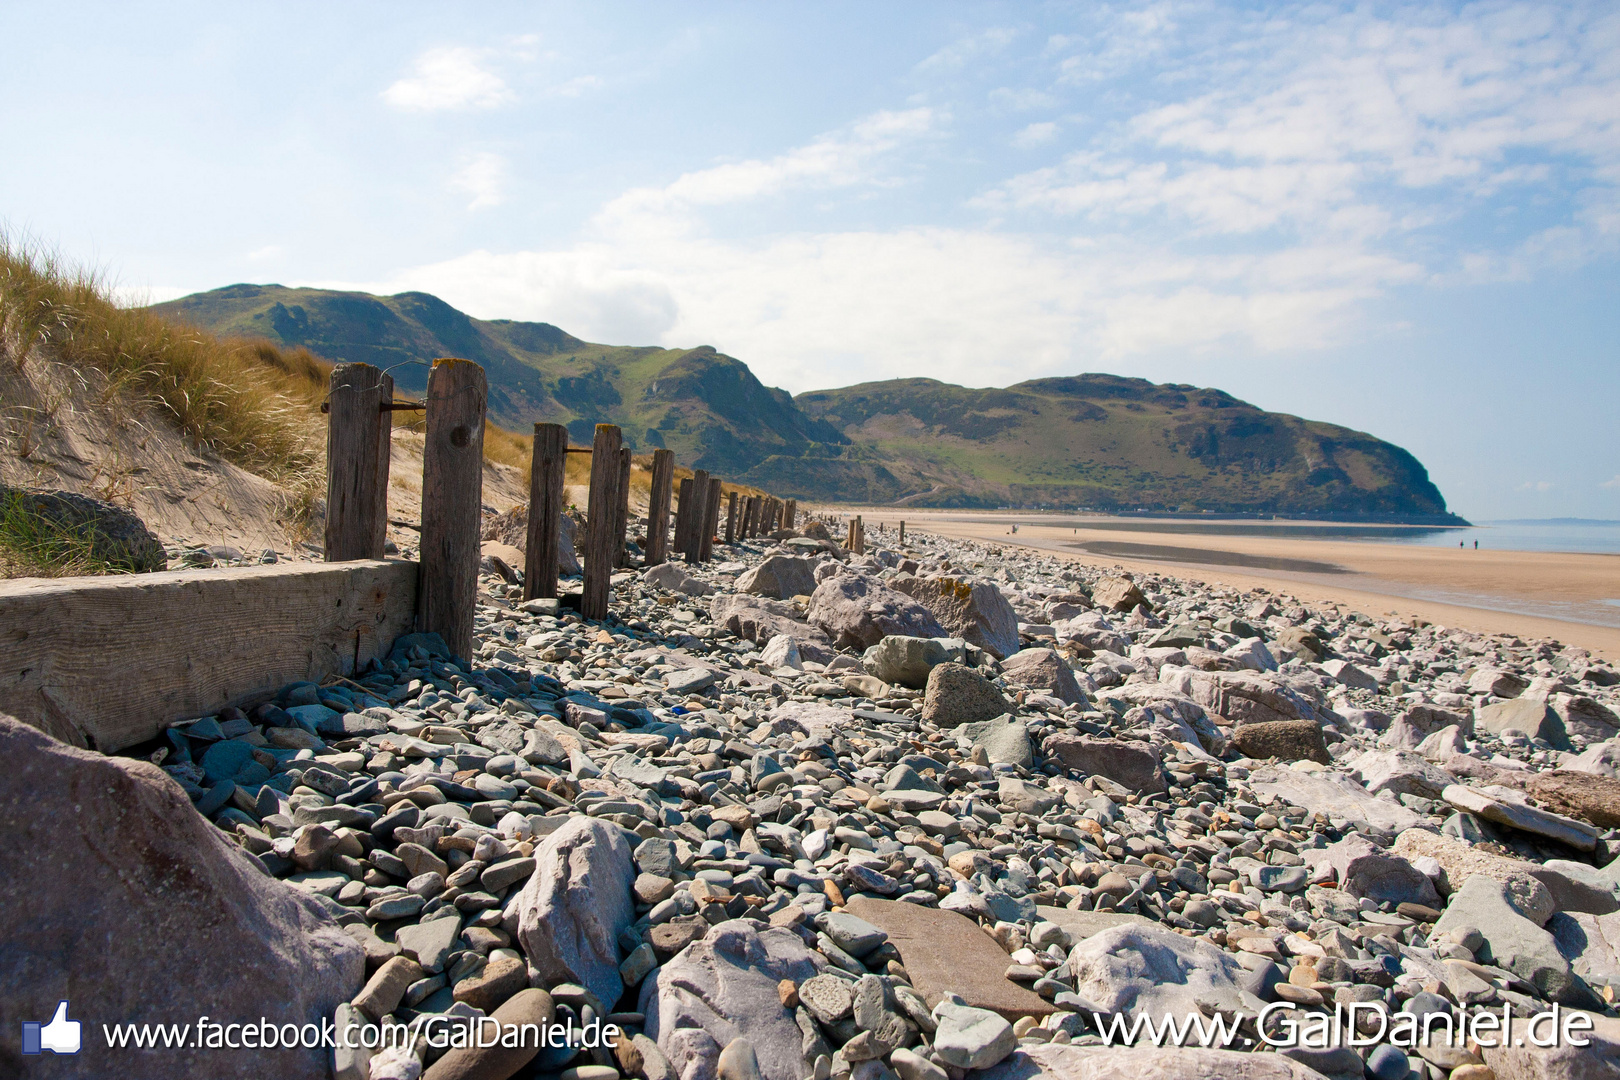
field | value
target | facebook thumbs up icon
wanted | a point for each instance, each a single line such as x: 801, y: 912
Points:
x: 59, y: 1036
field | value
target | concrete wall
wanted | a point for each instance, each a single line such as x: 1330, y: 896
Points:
x: 108, y: 662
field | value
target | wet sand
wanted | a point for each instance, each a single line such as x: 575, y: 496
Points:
x: 1534, y: 594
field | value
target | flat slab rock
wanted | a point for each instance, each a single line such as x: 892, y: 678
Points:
x: 1333, y: 794
x: 947, y: 953
x: 1083, y: 924
x: 1145, y: 1063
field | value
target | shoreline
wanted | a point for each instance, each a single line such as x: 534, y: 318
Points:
x: 1530, y: 593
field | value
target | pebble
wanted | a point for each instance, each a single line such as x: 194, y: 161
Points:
x: 770, y: 783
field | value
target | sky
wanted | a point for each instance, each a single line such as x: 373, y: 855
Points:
x: 1400, y: 218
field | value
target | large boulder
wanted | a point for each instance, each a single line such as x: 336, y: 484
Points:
x: 1131, y: 764
x: 957, y: 695
x: 1578, y: 794
x: 574, y: 905
x: 759, y: 620
x: 780, y: 577
x: 511, y: 527
x: 1044, y: 669
x: 122, y: 900
x: 670, y: 577
x: 1285, y: 740
x: 907, y: 661
x: 1584, y: 716
x: 1514, y: 942
x: 109, y: 533
x: 1139, y: 968
x: 1401, y: 772
x: 857, y: 612
x: 726, y: 985
x: 1529, y: 715
x: 1118, y: 594
x: 1235, y: 697
x: 1364, y: 869
x: 974, y: 611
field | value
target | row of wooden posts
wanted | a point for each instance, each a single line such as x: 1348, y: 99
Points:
x: 359, y: 405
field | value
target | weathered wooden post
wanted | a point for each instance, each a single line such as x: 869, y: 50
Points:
x: 621, y: 511
x: 663, y: 471
x: 711, y: 519
x: 358, y: 431
x: 790, y: 513
x: 855, y: 539
x: 697, y: 519
x: 756, y: 505
x: 902, y: 534
x: 731, y: 518
x: 745, y: 528
x: 452, y: 493
x: 683, y: 517
x: 546, y: 471
x: 600, y: 524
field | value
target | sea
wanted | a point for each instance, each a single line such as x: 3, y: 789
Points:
x: 1585, y: 535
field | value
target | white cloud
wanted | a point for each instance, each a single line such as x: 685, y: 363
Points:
x: 1536, y: 485
x: 1288, y: 172
x: 450, y: 77
x: 840, y: 159
x: 1615, y: 483
x: 1035, y: 134
x: 484, y: 177
x: 968, y: 50
x: 269, y: 251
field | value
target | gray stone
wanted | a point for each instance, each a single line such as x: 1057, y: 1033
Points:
x: 780, y: 577
x: 758, y: 619
x: 829, y: 998
x: 1133, y: 765
x: 726, y: 985
x: 851, y: 933
x: 738, y: 1061
x: 1004, y: 739
x: 857, y: 612
x: 1044, y: 669
x: 971, y: 1038
x: 1025, y: 797
x: 1364, y: 869
x: 959, y: 695
x: 1332, y: 794
x: 1503, y: 811
x: 906, y: 661
x: 430, y: 943
x: 1514, y: 942
x: 1529, y: 715
x: 1145, y: 967
x: 571, y: 911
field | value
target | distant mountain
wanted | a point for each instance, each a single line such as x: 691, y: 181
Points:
x: 1096, y: 441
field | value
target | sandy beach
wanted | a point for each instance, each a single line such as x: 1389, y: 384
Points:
x: 1570, y: 597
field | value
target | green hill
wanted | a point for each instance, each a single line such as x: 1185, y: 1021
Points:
x: 1092, y: 440
x: 1113, y: 443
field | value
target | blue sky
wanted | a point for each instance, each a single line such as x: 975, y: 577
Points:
x: 1404, y: 219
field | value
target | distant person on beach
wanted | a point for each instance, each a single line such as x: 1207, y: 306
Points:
x: 1476, y: 545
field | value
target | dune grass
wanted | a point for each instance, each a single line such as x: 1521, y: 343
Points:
x: 35, y: 546
x: 251, y: 401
